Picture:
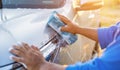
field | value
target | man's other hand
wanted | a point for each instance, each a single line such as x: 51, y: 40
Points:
x: 29, y: 55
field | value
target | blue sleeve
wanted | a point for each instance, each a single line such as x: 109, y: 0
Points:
x: 91, y: 65
x: 110, y: 60
x: 106, y: 35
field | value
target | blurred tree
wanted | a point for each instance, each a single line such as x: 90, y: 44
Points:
x: 111, y: 3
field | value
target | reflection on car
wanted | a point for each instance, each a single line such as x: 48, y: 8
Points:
x: 26, y: 20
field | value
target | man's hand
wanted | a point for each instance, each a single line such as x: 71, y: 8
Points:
x: 70, y: 26
x: 75, y: 29
x: 29, y: 55
x: 32, y: 58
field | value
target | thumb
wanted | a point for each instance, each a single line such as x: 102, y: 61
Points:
x: 64, y: 29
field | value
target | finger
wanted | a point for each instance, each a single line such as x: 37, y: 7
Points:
x: 35, y: 48
x: 25, y: 45
x: 64, y: 29
x: 16, y: 52
x: 22, y: 48
x: 18, y: 59
x: 62, y: 18
x: 17, y: 47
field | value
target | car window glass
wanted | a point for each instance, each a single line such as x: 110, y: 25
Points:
x: 33, y: 3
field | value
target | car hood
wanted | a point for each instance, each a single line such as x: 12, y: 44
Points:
x: 31, y: 29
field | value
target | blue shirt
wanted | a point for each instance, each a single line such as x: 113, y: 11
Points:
x: 109, y: 38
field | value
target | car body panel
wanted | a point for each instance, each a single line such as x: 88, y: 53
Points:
x: 31, y: 31
x: 26, y: 25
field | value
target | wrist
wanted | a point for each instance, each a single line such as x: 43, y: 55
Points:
x: 45, y: 66
x: 53, y: 66
x: 77, y: 30
x: 41, y: 66
x: 80, y: 30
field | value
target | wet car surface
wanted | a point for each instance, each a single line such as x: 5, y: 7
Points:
x: 26, y: 25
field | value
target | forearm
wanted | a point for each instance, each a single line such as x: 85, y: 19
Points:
x: 88, y: 32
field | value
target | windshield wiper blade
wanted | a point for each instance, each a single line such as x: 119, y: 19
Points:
x: 7, y: 64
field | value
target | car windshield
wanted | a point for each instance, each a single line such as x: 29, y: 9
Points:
x: 32, y: 3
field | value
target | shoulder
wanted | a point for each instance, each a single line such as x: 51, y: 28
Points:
x: 118, y: 24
